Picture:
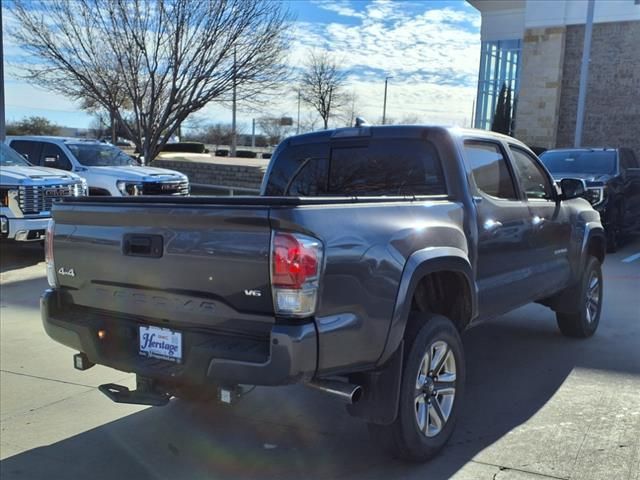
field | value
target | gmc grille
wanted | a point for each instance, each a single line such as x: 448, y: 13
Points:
x: 35, y: 199
x: 165, y: 188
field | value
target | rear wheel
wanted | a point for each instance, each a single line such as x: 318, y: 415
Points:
x: 430, y: 393
x: 583, y: 321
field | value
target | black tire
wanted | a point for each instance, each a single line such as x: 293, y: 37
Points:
x: 403, y: 438
x: 583, y: 321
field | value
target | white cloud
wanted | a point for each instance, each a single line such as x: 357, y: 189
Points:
x: 341, y: 8
x: 432, y: 56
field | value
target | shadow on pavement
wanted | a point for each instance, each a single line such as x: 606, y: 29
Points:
x: 14, y: 255
x: 514, y: 367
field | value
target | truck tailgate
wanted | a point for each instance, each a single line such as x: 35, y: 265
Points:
x: 181, y: 264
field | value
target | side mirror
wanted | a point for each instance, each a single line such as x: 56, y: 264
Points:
x: 572, y: 188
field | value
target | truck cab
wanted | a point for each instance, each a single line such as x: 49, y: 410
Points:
x: 107, y: 169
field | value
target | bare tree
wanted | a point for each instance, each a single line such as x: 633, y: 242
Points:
x: 167, y: 58
x: 350, y: 109
x: 308, y: 123
x: 322, y: 83
x: 406, y: 119
x: 274, y: 128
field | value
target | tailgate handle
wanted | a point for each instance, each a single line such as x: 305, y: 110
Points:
x: 137, y: 245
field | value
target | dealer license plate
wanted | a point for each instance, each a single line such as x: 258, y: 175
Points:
x: 160, y: 343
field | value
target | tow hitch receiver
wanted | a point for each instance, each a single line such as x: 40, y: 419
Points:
x: 140, y: 396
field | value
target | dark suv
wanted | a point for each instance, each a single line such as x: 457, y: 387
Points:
x: 612, y: 177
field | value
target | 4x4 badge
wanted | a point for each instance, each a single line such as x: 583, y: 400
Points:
x: 66, y: 273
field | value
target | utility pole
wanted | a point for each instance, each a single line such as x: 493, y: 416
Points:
x: 384, y: 105
x: 298, y: 127
x: 253, y: 133
x: 3, y: 131
x: 584, y: 74
x: 234, y: 136
x: 326, y: 122
x: 473, y: 114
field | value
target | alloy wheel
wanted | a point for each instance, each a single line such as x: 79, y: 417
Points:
x: 593, y: 297
x: 435, y: 388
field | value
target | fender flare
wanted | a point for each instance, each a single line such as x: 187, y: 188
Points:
x: 418, y: 265
x: 591, y: 230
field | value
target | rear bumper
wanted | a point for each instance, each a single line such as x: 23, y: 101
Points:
x: 289, y: 355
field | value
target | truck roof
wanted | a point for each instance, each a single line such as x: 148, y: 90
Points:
x: 52, y: 138
x: 395, y: 131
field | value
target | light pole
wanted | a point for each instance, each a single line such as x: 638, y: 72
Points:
x: 234, y: 138
x: 298, y: 127
x: 384, y: 105
x: 584, y: 75
x: 2, y: 124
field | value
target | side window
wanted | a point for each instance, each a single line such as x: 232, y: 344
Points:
x: 489, y: 169
x: 387, y: 167
x: 28, y: 149
x: 533, y: 178
x: 54, y: 157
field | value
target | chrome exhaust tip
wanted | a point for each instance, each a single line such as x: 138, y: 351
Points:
x: 347, y: 392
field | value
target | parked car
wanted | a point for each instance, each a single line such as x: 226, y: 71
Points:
x: 27, y: 193
x: 107, y: 169
x: 612, y: 176
x: 367, y: 254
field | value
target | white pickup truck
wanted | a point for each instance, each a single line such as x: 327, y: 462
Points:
x: 27, y: 193
x: 107, y: 169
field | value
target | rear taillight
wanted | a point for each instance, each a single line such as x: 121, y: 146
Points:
x: 296, y: 263
x: 48, y: 255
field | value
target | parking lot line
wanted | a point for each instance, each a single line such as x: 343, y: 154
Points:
x: 631, y: 258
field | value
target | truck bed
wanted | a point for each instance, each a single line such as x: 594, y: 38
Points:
x: 212, y: 268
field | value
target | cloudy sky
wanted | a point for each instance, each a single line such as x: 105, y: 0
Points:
x: 430, y: 49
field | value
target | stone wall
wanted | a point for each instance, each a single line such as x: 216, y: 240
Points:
x: 612, y: 113
x: 540, y: 82
x: 207, y: 173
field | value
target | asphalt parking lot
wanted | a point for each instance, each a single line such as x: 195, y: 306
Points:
x: 538, y: 405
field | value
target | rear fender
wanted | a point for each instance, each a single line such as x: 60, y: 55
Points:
x: 421, y: 263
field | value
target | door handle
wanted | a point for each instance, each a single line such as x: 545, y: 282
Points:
x: 137, y: 245
x: 492, y: 225
x: 538, y: 221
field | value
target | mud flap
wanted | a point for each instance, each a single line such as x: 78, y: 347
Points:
x: 381, y: 391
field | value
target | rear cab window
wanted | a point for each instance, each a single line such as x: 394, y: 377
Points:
x: 375, y: 167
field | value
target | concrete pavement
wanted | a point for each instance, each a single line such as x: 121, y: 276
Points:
x: 537, y: 405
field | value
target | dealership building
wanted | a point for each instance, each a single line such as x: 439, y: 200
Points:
x: 535, y: 48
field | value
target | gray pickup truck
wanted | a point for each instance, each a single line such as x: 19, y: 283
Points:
x: 367, y: 254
